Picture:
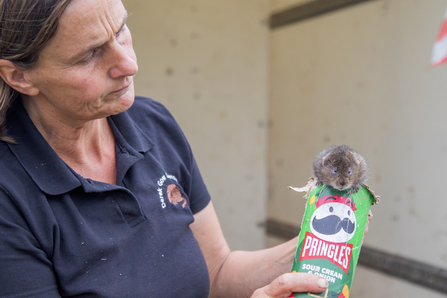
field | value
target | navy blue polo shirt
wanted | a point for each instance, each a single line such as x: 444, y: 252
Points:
x: 63, y: 235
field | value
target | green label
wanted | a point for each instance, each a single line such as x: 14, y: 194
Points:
x: 331, y: 237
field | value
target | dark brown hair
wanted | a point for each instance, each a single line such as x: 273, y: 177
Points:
x: 26, y: 26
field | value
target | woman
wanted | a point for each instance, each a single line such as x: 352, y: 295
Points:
x: 100, y: 195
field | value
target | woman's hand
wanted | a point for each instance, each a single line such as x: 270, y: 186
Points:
x: 288, y: 283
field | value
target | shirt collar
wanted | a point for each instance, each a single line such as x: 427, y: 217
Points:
x: 52, y: 175
x: 128, y: 134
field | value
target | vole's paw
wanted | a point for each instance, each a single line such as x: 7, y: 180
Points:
x: 356, y: 188
x: 319, y: 183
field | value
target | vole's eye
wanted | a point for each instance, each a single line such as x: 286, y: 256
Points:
x: 349, y: 172
x: 335, y: 170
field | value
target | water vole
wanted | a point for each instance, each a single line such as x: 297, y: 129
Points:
x: 340, y: 167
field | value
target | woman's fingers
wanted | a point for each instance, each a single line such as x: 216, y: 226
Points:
x: 286, y: 284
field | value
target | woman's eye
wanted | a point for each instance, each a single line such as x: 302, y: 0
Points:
x: 121, y: 31
x: 92, y: 54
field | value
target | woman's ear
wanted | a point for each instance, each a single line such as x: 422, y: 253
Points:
x: 15, y: 78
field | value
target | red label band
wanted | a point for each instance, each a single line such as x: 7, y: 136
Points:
x: 316, y: 248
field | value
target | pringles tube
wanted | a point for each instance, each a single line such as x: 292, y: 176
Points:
x: 331, y: 236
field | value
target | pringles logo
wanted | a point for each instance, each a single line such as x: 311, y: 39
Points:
x: 332, y: 224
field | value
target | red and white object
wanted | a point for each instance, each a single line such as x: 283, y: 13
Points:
x: 439, y: 53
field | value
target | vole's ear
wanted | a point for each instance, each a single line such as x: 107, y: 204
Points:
x: 325, y: 160
x: 357, y: 158
x: 16, y: 79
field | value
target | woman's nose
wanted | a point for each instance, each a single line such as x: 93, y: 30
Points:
x: 124, y: 62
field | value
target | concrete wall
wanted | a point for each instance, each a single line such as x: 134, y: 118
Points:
x: 207, y: 62
x: 362, y: 76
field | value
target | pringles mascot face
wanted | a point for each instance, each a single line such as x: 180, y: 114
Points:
x: 334, y: 219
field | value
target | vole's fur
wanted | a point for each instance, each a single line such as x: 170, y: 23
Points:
x: 340, y: 167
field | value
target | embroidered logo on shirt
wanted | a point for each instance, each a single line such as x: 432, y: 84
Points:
x: 175, y: 196
x: 173, y: 191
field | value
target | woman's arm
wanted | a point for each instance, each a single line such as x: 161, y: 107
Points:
x: 240, y: 273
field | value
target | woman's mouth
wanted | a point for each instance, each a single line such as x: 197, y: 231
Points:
x: 124, y: 89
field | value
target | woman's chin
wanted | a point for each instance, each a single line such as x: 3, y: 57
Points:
x: 124, y: 102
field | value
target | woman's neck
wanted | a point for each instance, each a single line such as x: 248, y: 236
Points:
x: 87, y: 147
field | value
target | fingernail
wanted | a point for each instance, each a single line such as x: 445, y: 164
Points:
x: 322, y: 283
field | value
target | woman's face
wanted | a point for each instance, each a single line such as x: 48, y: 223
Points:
x: 86, y: 71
